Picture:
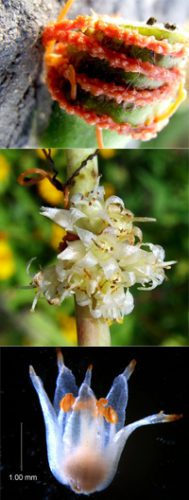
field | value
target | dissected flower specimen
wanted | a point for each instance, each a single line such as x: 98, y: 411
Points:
x: 85, y: 436
x: 101, y: 257
x: 115, y: 75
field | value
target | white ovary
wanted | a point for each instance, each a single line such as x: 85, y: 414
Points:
x: 85, y: 436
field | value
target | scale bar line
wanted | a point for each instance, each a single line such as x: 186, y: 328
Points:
x: 21, y: 446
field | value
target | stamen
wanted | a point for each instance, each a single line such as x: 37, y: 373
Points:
x: 111, y: 415
x: 67, y: 402
x: 101, y: 402
x: 107, y: 412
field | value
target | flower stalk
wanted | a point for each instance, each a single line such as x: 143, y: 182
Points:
x: 90, y: 331
x: 86, y: 179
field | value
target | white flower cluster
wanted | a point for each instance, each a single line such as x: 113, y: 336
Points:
x: 105, y: 259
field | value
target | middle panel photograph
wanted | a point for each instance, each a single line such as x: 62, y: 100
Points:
x: 93, y: 244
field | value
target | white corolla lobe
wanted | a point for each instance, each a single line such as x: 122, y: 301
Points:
x: 85, y: 436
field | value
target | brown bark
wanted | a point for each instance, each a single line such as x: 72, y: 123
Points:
x: 20, y: 64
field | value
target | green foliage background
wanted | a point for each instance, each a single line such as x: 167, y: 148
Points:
x: 153, y: 183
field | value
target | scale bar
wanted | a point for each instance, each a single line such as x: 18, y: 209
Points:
x: 21, y: 446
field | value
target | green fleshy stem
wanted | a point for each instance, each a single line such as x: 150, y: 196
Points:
x: 85, y: 181
x: 90, y: 331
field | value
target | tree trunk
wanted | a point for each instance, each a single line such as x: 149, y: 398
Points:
x: 21, y: 53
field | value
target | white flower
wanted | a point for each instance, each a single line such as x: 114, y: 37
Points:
x: 93, y: 213
x: 105, y: 260
x: 85, y: 436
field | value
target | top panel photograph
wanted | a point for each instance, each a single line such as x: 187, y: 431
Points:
x: 89, y: 73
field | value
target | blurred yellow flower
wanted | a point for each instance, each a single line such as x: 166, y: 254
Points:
x: 109, y: 189
x: 107, y: 153
x: 173, y: 341
x: 68, y: 325
x: 57, y: 235
x: 7, y: 264
x: 4, y: 168
x: 182, y: 270
x: 49, y: 193
x: 41, y: 155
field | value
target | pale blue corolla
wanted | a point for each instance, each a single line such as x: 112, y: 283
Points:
x: 85, y: 436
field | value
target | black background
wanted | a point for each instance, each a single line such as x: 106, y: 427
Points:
x: 155, y: 461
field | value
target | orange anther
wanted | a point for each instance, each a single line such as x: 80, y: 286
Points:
x: 110, y: 415
x: 100, y: 406
x: 102, y: 402
x: 106, y: 411
x: 67, y: 402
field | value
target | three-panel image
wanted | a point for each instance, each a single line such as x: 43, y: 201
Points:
x: 94, y: 123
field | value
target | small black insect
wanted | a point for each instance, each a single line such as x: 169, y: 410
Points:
x: 169, y: 26
x: 151, y: 21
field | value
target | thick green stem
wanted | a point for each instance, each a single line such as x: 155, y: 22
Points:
x: 86, y: 179
x: 90, y: 331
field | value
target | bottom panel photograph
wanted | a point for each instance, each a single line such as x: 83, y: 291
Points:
x: 80, y: 421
